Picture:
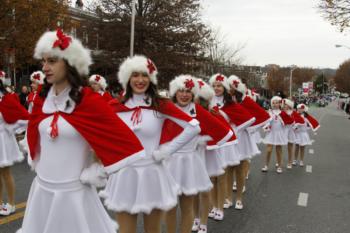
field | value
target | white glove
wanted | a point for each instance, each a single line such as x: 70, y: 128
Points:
x: 94, y: 175
x: 202, y: 140
x: 162, y: 153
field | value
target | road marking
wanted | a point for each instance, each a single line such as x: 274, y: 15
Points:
x: 309, y: 168
x: 12, y: 218
x: 15, y: 216
x: 302, y: 199
x: 311, y: 151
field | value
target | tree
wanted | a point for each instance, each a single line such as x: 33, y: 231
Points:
x: 23, y: 22
x: 342, y: 77
x: 320, y: 83
x: 337, y: 12
x: 170, y: 32
x: 276, y: 79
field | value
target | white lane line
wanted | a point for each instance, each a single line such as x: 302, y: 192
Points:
x: 302, y: 199
x: 309, y: 168
x: 311, y: 151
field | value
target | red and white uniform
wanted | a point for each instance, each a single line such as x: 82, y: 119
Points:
x: 187, y: 165
x: 61, y: 135
x: 275, y: 129
x: 146, y: 185
x: 302, y: 125
x: 106, y: 95
x: 12, y: 117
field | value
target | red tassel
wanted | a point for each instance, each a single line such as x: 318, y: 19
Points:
x: 136, y: 116
x: 54, y: 128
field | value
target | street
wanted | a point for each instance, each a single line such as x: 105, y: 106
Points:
x: 310, y: 199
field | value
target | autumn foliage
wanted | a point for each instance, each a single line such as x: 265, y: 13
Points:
x: 342, y: 77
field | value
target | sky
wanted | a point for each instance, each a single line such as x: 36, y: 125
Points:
x: 283, y: 32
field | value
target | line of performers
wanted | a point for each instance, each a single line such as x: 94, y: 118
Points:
x: 151, y: 154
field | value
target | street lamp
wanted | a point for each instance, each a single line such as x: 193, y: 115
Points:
x: 132, y: 34
x: 292, y: 68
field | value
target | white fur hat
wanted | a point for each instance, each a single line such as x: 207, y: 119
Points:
x: 63, y: 46
x: 137, y: 63
x: 276, y: 98
x: 205, y: 91
x: 303, y: 106
x: 219, y: 78
x: 288, y: 102
x: 96, y: 78
x: 237, y: 84
x: 183, y: 82
x: 2, y: 75
x: 37, y: 77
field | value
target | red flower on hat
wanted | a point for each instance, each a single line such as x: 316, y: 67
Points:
x: 189, y: 84
x: 235, y: 83
x: 150, y: 66
x: 36, y: 77
x: 302, y: 106
x: 219, y: 78
x: 201, y: 83
x: 97, y: 78
x: 63, y: 40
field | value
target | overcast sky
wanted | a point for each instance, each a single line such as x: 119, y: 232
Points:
x: 281, y: 32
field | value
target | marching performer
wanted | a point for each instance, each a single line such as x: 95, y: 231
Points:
x: 288, y: 107
x: 37, y: 80
x: 146, y: 186
x: 302, y: 137
x: 99, y: 85
x: 275, y: 133
x: 186, y: 165
x: 67, y: 122
x: 12, y: 116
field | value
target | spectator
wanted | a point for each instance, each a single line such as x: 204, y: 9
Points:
x: 23, y: 96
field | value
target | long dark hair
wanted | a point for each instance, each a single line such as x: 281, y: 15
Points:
x: 152, y: 95
x: 75, y: 80
x: 238, y: 96
x: 2, y: 87
x: 227, y: 97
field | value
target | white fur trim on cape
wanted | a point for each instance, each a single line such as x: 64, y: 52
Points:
x: 205, y: 91
x: 37, y: 74
x: 219, y: 78
x: 137, y: 63
x: 75, y: 54
x: 179, y: 83
x: 96, y: 78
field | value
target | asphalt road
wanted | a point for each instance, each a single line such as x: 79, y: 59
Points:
x: 310, y: 199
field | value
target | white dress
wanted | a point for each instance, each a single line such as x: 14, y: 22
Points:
x: 228, y: 154
x: 276, y: 135
x: 187, y: 167
x: 9, y: 150
x: 146, y: 184
x: 302, y: 137
x: 58, y: 202
x: 290, y: 131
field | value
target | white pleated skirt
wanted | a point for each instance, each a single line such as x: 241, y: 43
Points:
x: 65, y: 207
x: 230, y: 154
x: 256, y: 137
x: 9, y: 150
x: 302, y: 138
x: 276, y: 137
x: 291, y: 135
x: 189, y: 172
x: 140, y: 188
x: 247, y: 147
x: 214, y: 163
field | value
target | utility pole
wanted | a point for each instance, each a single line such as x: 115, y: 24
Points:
x: 132, y: 33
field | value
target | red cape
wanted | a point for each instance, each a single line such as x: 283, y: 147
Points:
x: 107, y: 96
x: 237, y: 114
x: 261, y: 116
x: 286, y: 119
x: 312, y: 122
x: 107, y: 134
x: 12, y: 110
x: 209, y: 125
x: 297, y: 118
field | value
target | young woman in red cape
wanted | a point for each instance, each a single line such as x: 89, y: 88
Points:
x: 186, y: 165
x: 99, y: 85
x: 68, y: 122
x: 146, y: 187
x: 12, y: 116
